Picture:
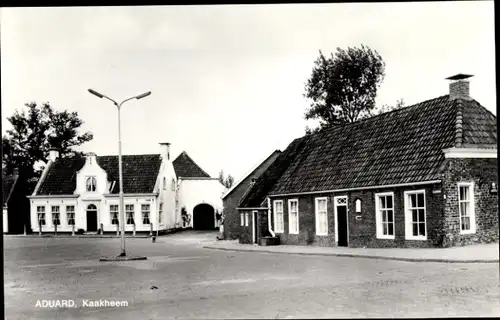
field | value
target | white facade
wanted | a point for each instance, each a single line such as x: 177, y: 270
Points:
x: 95, y: 207
x: 193, y: 192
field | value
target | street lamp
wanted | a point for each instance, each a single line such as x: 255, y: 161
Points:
x: 122, y: 211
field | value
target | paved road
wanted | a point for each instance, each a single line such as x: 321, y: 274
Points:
x: 197, y: 283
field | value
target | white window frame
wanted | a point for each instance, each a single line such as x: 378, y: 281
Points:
x: 378, y: 217
x: 242, y: 219
x: 317, y: 215
x: 246, y: 219
x: 471, y: 202
x: 70, y: 214
x: 290, y: 225
x: 276, y: 229
x: 145, y: 212
x: 111, y: 212
x: 87, y: 185
x: 173, y: 184
x: 41, y: 215
x: 409, y: 216
x: 160, y: 213
x: 164, y: 183
x: 54, y: 214
x: 126, y: 214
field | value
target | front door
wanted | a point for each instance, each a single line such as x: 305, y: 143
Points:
x: 342, y: 226
x: 91, y: 218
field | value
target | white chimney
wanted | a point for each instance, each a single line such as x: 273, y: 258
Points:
x: 459, y: 86
x: 90, y: 158
x: 165, y: 146
x: 53, y: 154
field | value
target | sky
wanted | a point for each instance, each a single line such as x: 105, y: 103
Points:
x: 227, y: 81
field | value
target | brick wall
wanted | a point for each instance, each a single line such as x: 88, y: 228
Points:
x: 231, y: 215
x: 482, y: 172
x: 362, y: 226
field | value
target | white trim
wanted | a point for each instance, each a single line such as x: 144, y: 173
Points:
x: 53, y: 196
x: 269, y: 226
x: 290, y: 216
x: 378, y: 218
x: 358, y: 188
x: 130, y: 195
x: 465, y: 153
x: 472, y: 208
x: 409, y: 218
x: 253, y: 226
x: 316, y: 215
x: 242, y: 219
x: 246, y: 219
x: 276, y: 230
x: 252, y: 208
x: 335, y: 213
x: 236, y: 184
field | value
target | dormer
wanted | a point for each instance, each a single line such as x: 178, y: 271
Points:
x: 91, y: 179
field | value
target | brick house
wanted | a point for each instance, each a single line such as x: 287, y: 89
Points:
x: 421, y: 176
x: 82, y: 194
x: 232, y: 219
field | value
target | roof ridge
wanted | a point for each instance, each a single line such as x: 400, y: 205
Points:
x: 379, y: 115
x: 459, y: 123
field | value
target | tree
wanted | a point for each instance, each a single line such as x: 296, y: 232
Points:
x: 226, y: 181
x: 386, y: 108
x: 35, y: 131
x: 343, y: 87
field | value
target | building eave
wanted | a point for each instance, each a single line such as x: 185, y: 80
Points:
x: 467, y: 153
x: 116, y: 195
x: 53, y: 196
x: 357, y: 188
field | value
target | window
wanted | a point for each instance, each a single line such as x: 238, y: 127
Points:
x: 242, y: 219
x: 145, y: 213
x: 466, y: 208
x: 113, y: 212
x: 40, y: 210
x: 91, y: 184
x: 173, y: 185
x: 164, y: 183
x: 358, y: 205
x: 293, y: 216
x: 321, y: 217
x: 129, y: 211
x: 415, y: 215
x: 246, y: 219
x: 160, y: 214
x: 55, y: 216
x: 278, y: 216
x: 384, y: 205
x: 70, y: 215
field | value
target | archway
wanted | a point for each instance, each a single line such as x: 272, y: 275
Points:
x: 91, y: 218
x: 203, y: 217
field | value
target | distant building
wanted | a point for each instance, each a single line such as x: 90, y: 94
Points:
x: 16, y: 207
x: 422, y: 176
x: 232, y: 219
x: 82, y: 193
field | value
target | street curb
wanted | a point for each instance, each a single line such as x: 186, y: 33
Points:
x: 347, y: 255
x: 74, y: 237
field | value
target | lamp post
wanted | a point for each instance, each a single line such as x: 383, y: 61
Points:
x: 122, y: 212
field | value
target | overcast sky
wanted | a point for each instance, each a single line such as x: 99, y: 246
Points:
x: 227, y: 82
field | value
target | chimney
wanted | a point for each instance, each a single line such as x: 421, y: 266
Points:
x: 53, y: 154
x: 459, y: 86
x: 90, y: 158
x: 166, y: 149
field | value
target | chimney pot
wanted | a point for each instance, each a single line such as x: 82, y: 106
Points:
x: 53, y: 154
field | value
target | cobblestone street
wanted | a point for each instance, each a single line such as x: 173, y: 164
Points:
x: 193, y: 282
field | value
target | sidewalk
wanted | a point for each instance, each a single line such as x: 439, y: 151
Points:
x: 76, y: 236
x: 481, y: 253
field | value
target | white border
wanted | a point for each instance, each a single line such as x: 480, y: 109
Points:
x: 276, y: 230
x: 470, y: 153
x: 409, y: 218
x: 472, y: 205
x: 335, y: 205
x: 316, y: 215
x: 289, y: 216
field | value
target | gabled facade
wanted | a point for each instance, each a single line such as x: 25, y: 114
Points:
x: 232, y: 219
x: 421, y: 176
x: 81, y: 194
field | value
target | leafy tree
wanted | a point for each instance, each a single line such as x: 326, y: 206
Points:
x: 35, y: 131
x: 386, y: 108
x: 343, y: 87
x: 226, y: 181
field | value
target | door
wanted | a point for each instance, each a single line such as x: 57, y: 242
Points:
x: 342, y: 226
x: 91, y: 218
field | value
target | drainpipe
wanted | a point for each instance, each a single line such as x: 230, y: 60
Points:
x: 269, y: 217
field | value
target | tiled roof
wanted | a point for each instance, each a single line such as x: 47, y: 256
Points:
x: 185, y: 167
x: 139, y: 174
x: 400, y: 146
